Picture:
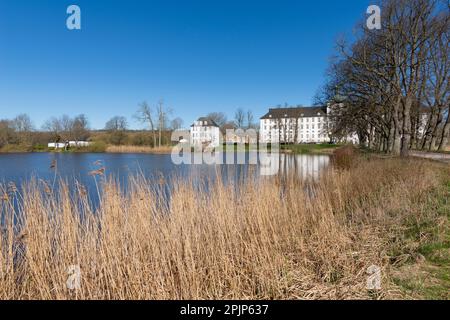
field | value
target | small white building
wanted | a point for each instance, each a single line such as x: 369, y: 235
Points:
x: 63, y: 145
x: 205, y: 131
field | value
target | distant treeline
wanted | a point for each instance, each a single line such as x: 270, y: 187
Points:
x: 20, y: 135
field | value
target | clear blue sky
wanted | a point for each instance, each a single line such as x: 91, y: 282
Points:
x: 200, y: 56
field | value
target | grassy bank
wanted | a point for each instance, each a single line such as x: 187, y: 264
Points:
x: 324, y: 148
x: 276, y: 239
x: 139, y: 149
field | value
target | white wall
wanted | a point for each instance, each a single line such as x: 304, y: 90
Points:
x: 205, y: 134
x: 310, y: 130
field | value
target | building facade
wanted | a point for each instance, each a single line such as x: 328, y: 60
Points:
x: 205, y: 132
x: 295, y: 125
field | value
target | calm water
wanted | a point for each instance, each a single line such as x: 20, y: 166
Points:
x: 19, y: 168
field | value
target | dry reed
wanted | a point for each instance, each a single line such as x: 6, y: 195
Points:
x: 269, y: 240
x: 139, y: 149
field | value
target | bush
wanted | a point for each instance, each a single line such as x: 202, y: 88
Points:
x: 40, y: 147
x: 344, y: 158
x: 96, y: 147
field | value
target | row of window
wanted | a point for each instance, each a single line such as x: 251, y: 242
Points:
x: 292, y: 120
x: 200, y: 128
x: 313, y: 126
x: 302, y: 136
x: 201, y: 135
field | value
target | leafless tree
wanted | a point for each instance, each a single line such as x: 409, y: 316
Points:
x: 23, y: 127
x: 176, y: 123
x: 145, y: 116
x: 388, y: 81
x: 163, y: 114
x: 80, y: 128
x: 53, y: 126
x: 250, y: 119
x: 239, y: 118
x: 117, y: 127
x: 218, y: 117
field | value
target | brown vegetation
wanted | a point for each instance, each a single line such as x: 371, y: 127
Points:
x: 271, y: 240
x: 139, y: 149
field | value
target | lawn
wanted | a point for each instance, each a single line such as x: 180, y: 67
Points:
x: 311, y: 148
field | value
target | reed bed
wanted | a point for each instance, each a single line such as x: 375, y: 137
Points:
x: 275, y: 239
x: 139, y: 149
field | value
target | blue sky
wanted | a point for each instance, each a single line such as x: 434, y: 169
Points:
x: 200, y: 56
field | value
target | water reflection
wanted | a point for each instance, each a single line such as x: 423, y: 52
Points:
x: 304, y: 166
x: 75, y: 168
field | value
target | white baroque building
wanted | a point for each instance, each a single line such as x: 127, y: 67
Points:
x: 295, y: 125
x: 205, y: 131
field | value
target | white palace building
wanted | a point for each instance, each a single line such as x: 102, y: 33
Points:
x: 295, y: 125
x: 205, y: 131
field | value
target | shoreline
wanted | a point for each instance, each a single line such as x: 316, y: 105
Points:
x: 311, y: 149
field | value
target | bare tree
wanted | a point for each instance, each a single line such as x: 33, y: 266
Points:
x: 80, y: 128
x: 117, y: 123
x: 117, y: 127
x: 6, y: 132
x: 163, y: 114
x: 218, y: 117
x: 250, y: 119
x: 23, y: 127
x: 176, y: 123
x: 53, y: 126
x: 387, y: 82
x: 145, y: 116
x: 239, y: 118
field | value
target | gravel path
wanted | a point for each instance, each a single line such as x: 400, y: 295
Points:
x: 430, y: 155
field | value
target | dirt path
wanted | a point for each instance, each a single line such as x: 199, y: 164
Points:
x: 430, y: 155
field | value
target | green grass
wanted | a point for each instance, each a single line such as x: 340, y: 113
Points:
x: 429, y: 278
x: 311, y: 148
x: 16, y: 148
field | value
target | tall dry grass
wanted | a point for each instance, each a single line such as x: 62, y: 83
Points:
x: 139, y: 149
x: 276, y: 239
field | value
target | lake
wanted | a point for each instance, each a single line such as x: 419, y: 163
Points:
x: 19, y: 168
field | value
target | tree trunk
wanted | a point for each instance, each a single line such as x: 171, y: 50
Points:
x: 406, y: 137
x: 445, y: 135
x: 397, y: 137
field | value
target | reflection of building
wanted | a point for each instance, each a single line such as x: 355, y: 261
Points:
x: 205, y: 131
x: 305, y: 166
x: 294, y: 125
